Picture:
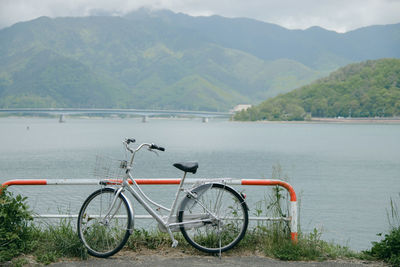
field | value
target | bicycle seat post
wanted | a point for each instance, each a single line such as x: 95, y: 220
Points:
x: 174, y: 241
x: 177, y: 194
x: 183, y: 178
x: 185, y: 167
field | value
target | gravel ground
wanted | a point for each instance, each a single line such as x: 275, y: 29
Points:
x: 175, y: 259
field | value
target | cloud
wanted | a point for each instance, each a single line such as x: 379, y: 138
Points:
x: 339, y: 15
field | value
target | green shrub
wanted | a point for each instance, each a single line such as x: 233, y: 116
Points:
x: 388, y: 249
x: 19, y: 235
x: 15, y: 229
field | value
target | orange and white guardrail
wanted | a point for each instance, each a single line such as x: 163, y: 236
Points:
x: 168, y: 181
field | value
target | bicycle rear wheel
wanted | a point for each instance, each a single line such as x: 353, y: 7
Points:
x: 103, y: 231
x: 216, y: 220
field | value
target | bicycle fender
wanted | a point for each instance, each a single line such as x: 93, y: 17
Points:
x: 201, y: 190
x: 198, y: 191
x: 239, y: 194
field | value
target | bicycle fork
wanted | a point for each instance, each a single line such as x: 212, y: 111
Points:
x: 107, y: 216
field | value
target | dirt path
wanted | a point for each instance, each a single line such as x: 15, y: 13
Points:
x: 175, y: 259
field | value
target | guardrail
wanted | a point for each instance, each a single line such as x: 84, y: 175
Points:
x: 255, y: 182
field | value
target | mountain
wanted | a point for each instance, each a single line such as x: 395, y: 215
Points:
x: 164, y: 60
x: 367, y: 89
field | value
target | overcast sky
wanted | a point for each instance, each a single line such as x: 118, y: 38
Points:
x: 337, y: 15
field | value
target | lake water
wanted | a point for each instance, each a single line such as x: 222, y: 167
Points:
x: 344, y: 174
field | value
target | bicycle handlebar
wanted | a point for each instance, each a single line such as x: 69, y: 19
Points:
x: 150, y: 146
x: 133, y: 151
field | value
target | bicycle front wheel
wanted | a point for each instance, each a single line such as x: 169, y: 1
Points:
x: 215, y: 220
x: 104, y: 227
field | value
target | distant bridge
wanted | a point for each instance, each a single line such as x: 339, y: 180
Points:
x: 145, y: 113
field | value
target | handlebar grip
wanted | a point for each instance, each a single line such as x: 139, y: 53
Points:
x: 153, y: 146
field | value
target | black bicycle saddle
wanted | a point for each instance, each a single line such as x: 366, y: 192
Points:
x: 187, y: 166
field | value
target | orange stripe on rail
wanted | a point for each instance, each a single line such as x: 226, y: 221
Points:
x: 294, y: 237
x: 273, y: 182
x: 161, y: 181
x: 25, y: 182
x: 22, y: 182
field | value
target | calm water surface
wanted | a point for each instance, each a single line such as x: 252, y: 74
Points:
x: 344, y: 174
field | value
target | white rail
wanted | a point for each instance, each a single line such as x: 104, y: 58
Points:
x: 255, y: 182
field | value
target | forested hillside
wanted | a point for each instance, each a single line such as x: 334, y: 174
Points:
x: 367, y: 89
x: 164, y: 60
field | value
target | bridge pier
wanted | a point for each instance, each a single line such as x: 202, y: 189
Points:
x: 61, y: 119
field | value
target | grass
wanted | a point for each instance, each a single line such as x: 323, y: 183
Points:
x: 52, y: 243
x: 257, y: 241
x: 58, y: 241
x: 309, y: 247
x: 153, y: 239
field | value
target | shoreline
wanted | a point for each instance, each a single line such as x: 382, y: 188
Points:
x: 356, y: 120
x: 335, y: 121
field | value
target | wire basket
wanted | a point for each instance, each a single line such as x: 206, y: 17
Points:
x: 109, y: 169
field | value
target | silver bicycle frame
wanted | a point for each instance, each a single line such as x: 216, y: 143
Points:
x: 143, y: 199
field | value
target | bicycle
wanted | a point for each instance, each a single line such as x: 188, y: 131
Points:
x: 212, y: 216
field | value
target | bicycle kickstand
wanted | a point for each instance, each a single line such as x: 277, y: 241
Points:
x: 174, y: 241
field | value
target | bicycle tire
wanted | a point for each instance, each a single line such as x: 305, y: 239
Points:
x: 214, y: 235
x: 103, y: 237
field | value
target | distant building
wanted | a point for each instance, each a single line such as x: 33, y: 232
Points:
x: 240, y: 107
